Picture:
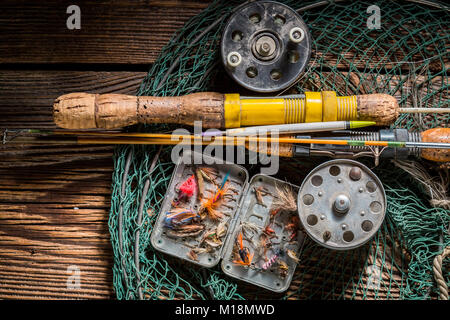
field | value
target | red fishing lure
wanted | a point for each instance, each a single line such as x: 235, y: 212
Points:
x: 187, y: 188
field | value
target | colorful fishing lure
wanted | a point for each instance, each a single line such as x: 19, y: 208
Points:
x: 179, y: 216
x: 187, y: 188
x: 270, y: 262
x: 211, y: 204
x: 244, y: 254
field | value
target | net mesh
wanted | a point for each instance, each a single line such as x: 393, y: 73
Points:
x: 407, y: 57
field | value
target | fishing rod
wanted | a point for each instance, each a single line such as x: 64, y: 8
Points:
x: 216, y: 110
x: 248, y: 131
x: 292, y: 128
x: 433, y: 144
x: 416, y: 144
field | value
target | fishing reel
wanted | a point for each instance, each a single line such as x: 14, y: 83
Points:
x: 341, y: 204
x: 265, y: 46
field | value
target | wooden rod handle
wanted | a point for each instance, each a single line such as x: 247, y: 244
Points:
x: 436, y: 135
x: 379, y: 107
x: 109, y: 111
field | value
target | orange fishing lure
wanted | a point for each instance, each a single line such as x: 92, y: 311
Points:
x: 213, y: 202
x: 244, y: 254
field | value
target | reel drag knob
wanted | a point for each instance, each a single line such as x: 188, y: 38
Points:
x: 341, y: 204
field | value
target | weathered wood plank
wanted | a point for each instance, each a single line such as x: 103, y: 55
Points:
x: 124, y: 32
x: 27, y: 96
x: 134, y: 32
x: 54, y: 200
x: 52, y: 218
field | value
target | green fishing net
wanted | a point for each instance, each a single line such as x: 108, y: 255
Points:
x: 407, y: 57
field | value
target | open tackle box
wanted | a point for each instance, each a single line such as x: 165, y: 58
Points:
x: 248, y: 228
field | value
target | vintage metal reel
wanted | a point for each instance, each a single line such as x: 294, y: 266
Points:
x: 342, y: 204
x: 265, y: 46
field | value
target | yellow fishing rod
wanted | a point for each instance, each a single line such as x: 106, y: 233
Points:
x: 216, y: 110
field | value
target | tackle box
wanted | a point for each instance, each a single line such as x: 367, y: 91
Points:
x: 243, y: 214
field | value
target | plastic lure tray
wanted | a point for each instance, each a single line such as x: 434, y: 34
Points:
x: 242, y: 214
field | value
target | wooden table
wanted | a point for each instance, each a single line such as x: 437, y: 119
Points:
x: 54, y: 201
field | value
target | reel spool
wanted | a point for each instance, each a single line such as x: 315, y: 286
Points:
x: 265, y: 46
x: 341, y: 204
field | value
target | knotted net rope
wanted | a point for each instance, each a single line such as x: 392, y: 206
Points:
x: 407, y: 57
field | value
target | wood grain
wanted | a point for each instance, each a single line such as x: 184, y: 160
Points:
x: 27, y: 96
x: 53, y: 217
x: 123, y: 32
x: 134, y: 32
x: 54, y: 199
x: 42, y: 232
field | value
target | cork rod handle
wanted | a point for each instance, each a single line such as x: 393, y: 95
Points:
x: 379, y: 107
x: 110, y: 111
x: 436, y: 135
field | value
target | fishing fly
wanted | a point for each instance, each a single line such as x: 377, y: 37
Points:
x: 179, y: 216
x: 209, y: 207
x: 245, y: 257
